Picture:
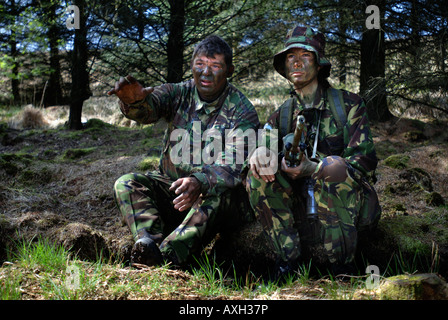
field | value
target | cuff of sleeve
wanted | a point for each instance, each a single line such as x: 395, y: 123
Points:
x: 203, y: 180
x: 136, y: 103
x: 127, y: 108
x: 315, y: 174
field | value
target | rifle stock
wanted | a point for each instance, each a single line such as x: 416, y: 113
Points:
x: 292, y: 155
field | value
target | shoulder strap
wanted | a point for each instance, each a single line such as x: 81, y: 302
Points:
x: 285, y: 117
x: 337, y: 106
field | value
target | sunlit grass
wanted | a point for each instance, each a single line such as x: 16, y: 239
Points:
x: 40, y: 269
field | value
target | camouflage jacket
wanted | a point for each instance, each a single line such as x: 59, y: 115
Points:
x: 353, y: 141
x: 194, y: 126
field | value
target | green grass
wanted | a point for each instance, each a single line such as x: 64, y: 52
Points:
x: 40, y: 269
x: 40, y: 254
x: 9, y: 288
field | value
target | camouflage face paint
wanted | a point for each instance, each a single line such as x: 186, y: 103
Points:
x: 210, y: 76
x: 301, y: 67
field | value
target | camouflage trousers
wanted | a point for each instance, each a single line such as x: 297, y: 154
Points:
x: 145, y: 203
x: 342, y: 202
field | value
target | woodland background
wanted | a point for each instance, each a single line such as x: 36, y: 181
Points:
x: 57, y: 180
x: 403, y: 64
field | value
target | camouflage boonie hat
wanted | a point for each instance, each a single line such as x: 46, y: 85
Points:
x: 305, y: 38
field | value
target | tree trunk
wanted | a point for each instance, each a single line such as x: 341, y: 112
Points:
x: 373, y: 70
x: 80, y: 77
x: 54, y: 91
x: 415, y: 32
x: 342, y: 58
x: 175, y: 46
x: 15, y: 69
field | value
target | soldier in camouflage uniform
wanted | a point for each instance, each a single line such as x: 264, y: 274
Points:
x: 174, y: 212
x: 341, y: 170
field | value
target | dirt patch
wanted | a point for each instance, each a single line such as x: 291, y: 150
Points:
x: 84, y: 241
x: 53, y: 188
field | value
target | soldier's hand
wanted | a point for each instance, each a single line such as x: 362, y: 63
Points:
x: 188, y: 189
x: 129, y: 90
x: 305, y: 169
x: 263, y: 163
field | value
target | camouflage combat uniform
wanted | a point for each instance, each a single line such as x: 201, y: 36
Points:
x: 345, y: 197
x: 145, y: 201
x: 346, y: 201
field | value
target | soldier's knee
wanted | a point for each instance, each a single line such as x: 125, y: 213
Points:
x: 123, y: 180
x: 129, y: 179
x: 332, y: 169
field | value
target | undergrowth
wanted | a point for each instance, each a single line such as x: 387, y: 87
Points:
x: 39, y: 269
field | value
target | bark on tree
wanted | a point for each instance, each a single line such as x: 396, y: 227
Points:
x: 373, y: 70
x: 14, y: 55
x: 15, y: 70
x: 175, y: 45
x: 54, y: 90
x: 80, y: 90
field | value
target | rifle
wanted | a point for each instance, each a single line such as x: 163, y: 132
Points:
x: 293, y: 155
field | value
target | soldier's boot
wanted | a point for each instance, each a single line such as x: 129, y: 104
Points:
x: 146, y: 252
x: 284, y: 271
x: 171, y: 259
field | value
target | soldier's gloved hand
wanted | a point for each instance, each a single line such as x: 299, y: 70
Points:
x: 305, y: 169
x: 188, y: 189
x: 263, y: 163
x: 129, y: 90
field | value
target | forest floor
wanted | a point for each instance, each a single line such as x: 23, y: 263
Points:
x: 58, y: 184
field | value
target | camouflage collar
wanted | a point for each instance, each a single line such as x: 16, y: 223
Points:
x: 209, y: 107
x: 319, y: 100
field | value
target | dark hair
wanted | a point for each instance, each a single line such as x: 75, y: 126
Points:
x: 322, y: 77
x: 214, y: 45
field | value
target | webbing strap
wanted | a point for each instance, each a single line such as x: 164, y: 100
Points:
x: 286, y: 111
x: 337, y: 106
